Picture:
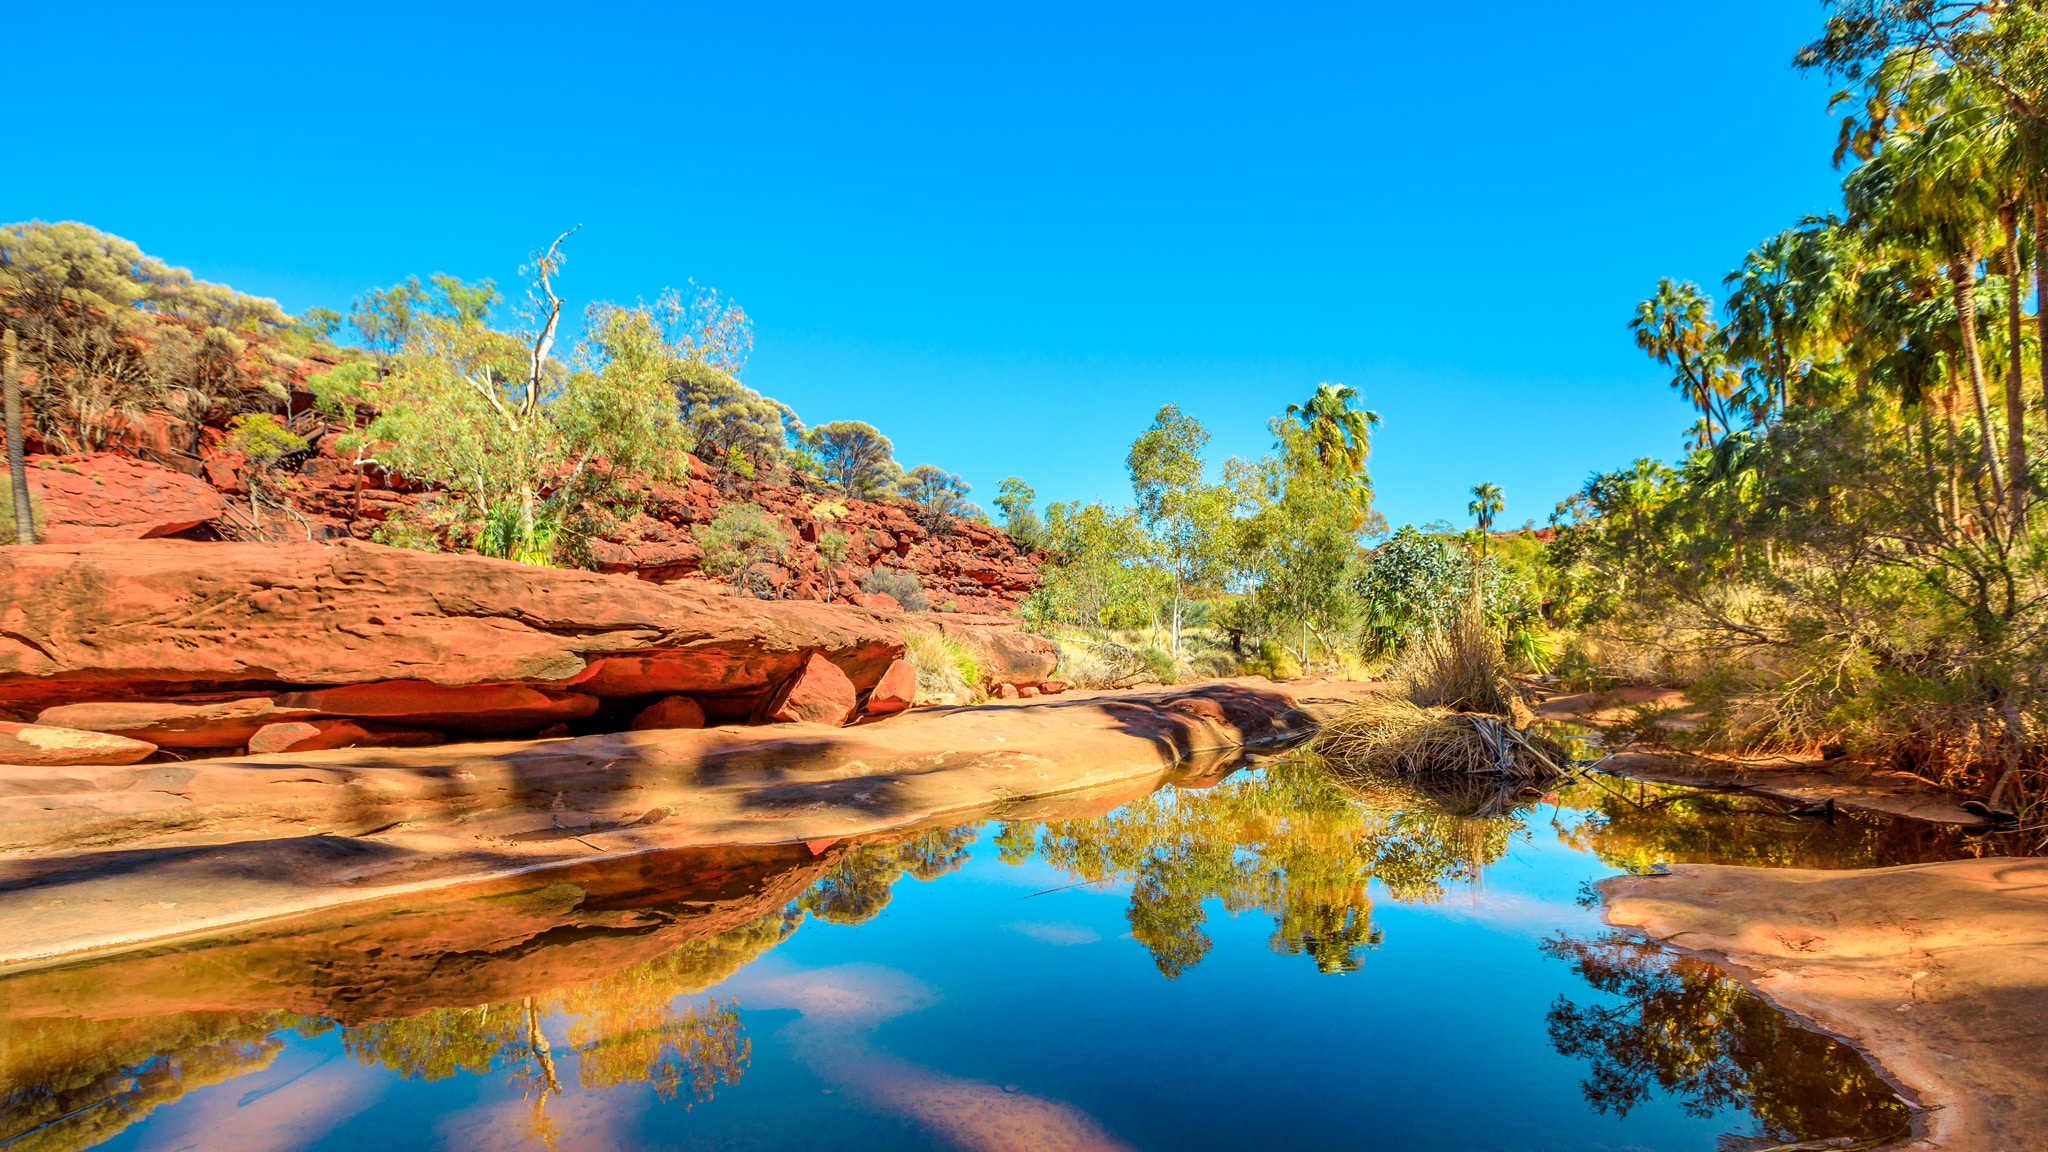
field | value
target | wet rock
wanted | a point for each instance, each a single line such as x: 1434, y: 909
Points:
x: 175, y: 724
x: 673, y: 712
x: 467, y: 708
x: 819, y: 693
x: 39, y: 744
x: 316, y: 735
x: 107, y: 497
x: 897, y: 691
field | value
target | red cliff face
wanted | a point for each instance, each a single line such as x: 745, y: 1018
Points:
x: 162, y: 491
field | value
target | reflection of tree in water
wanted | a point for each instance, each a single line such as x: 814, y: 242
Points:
x: 68, y: 1084
x: 857, y: 887
x: 1289, y: 841
x: 624, y: 1028
x: 1632, y: 825
x: 1684, y: 1027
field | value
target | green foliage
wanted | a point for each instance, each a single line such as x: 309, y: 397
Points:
x: 855, y: 456
x: 534, y: 447
x: 940, y: 496
x: 741, y: 538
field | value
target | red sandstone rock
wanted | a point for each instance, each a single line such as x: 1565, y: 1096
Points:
x: 314, y: 735
x: 468, y: 707
x: 178, y: 724
x: 1006, y: 691
x: 106, y: 497
x: 819, y: 693
x: 151, y: 618
x: 1027, y: 691
x: 876, y: 601
x: 674, y: 712
x: 897, y: 691
x: 42, y: 744
x: 1053, y: 687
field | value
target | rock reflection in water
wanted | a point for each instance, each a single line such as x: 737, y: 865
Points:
x: 594, y: 978
x: 1684, y: 1028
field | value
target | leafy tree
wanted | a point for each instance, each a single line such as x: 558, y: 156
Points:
x: 1101, y: 577
x: 739, y: 539
x: 940, y: 496
x: 855, y: 456
x: 264, y: 442
x: 832, y: 549
x: 17, y: 465
x: 529, y: 442
x: 1188, y: 518
x: 1020, y: 516
x: 1339, y: 437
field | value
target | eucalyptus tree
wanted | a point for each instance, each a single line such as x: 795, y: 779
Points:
x: 1187, y: 517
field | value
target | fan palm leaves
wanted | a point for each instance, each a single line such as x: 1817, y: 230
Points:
x: 1486, y: 502
x: 1676, y: 327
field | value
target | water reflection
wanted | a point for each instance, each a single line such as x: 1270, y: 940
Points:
x: 607, y: 977
x: 1681, y: 1026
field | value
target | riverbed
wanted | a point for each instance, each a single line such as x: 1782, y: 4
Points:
x: 1259, y: 958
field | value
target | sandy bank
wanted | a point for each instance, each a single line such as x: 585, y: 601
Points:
x: 1940, y: 971
x: 99, y: 859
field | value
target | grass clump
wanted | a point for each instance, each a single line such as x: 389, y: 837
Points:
x: 1453, y: 715
x: 902, y: 585
x: 1392, y: 734
x: 948, y: 670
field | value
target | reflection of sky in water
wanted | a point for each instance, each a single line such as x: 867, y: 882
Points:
x: 1005, y: 1006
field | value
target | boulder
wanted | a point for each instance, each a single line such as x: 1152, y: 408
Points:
x: 1006, y: 692
x: 673, y: 712
x: 106, y: 497
x: 178, y: 724
x: 1053, y: 687
x: 465, y: 707
x: 145, y: 619
x: 875, y: 601
x: 819, y: 693
x: 315, y: 735
x: 897, y: 690
x: 42, y: 744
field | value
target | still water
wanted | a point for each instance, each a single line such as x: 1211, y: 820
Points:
x: 1272, y: 961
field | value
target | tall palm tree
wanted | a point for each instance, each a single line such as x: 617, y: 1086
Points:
x: 1342, y: 435
x: 1676, y: 327
x: 1486, y: 501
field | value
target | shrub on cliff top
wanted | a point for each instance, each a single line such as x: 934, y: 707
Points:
x: 742, y: 537
x: 902, y: 585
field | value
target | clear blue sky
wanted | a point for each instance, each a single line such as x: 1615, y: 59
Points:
x: 1005, y: 236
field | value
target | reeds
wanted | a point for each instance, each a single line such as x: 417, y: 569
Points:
x: 1460, y: 667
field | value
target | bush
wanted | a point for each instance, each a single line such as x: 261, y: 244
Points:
x: 902, y: 585
x: 1459, y: 667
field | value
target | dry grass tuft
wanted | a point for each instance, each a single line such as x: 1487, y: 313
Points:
x: 1461, y: 668
x: 1387, y: 734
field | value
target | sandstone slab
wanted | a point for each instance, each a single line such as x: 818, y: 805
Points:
x: 464, y: 707
x: 177, y: 724
x: 1940, y: 971
x: 670, y: 712
x: 144, y: 619
x: 819, y: 693
x: 102, y: 496
x: 896, y: 691
x: 319, y: 735
x: 40, y: 744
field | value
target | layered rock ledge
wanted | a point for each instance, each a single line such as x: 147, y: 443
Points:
x: 92, y: 852
x: 1939, y: 971
x: 157, y: 620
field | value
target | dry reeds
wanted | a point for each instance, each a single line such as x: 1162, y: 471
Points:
x: 1389, y: 734
x: 1460, y: 667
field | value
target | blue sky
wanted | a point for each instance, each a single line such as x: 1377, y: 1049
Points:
x: 1003, y: 235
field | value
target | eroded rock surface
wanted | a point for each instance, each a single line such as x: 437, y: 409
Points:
x: 102, y: 496
x: 140, y: 620
x: 41, y: 744
x: 1939, y: 970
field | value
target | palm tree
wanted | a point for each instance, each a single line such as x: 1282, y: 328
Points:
x: 1486, y: 500
x: 1676, y: 327
x: 1341, y: 434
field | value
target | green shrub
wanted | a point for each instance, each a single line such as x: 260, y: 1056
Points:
x: 901, y: 585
